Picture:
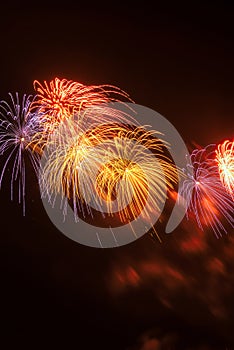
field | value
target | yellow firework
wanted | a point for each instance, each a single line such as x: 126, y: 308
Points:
x: 123, y: 167
x: 69, y: 152
x: 135, y: 174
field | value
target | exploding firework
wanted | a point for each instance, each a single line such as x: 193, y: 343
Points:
x: 124, y: 168
x: 135, y: 174
x: 209, y: 204
x: 225, y: 160
x: 62, y: 99
x: 18, y: 126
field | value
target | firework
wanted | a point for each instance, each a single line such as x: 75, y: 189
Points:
x: 18, y: 126
x: 62, y: 99
x: 136, y: 173
x: 225, y: 160
x: 209, y: 204
x: 122, y: 167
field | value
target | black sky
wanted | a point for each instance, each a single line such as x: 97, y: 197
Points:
x: 178, y: 60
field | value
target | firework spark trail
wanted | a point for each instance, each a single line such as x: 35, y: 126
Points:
x: 18, y: 126
x: 225, y: 161
x: 210, y: 205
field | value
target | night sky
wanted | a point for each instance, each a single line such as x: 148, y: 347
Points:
x: 178, y: 294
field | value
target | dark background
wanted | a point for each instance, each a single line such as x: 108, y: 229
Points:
x: 178, y: 60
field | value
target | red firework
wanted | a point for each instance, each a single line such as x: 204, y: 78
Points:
x: 63, y: 98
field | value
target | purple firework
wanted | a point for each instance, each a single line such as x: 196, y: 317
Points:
x: 18, y: 127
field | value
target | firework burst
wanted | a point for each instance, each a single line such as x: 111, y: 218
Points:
x: 18, y: 126
x: 209, y: 204
x: 135, y: 174
x: 62, y: 99
x: 225, y: 161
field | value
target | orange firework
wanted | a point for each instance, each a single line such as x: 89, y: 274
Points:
x: 225, y: 160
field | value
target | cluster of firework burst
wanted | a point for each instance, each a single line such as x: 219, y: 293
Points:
x: 95, y: 153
